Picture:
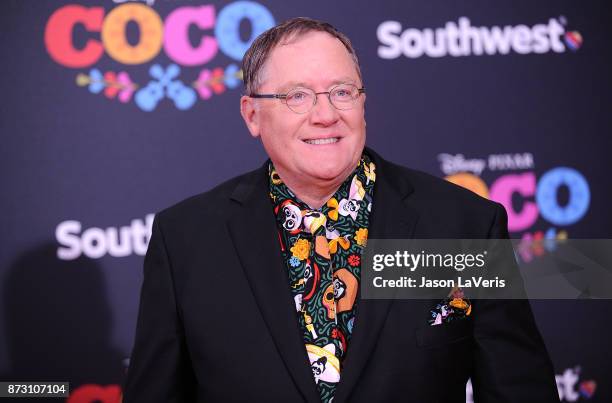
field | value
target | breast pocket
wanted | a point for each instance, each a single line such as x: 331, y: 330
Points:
x: 457, y: 331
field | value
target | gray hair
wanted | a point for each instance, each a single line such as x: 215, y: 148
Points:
x: 259, y: 51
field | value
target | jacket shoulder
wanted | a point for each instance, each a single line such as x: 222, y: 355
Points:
x: 432, y: 191
x: 446, y: 205
x: 209, y: 203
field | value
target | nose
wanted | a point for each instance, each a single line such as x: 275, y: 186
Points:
x: 323, y: 113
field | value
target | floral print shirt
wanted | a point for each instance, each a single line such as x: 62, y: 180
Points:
x: 321, y: 249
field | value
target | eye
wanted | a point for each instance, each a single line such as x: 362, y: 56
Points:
x: 343, y: 93
x: 307, y: 272
x: 298, y: 96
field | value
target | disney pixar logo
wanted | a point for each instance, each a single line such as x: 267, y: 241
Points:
x: 79, y: 37
x: 561, y: 196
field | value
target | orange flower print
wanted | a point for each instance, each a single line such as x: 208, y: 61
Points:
x: 301, y: 249
x: 361, y: 236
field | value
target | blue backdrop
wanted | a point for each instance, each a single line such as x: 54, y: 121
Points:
x: 114, y: 110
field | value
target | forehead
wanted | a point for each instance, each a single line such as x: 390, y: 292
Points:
x: 314, y: 59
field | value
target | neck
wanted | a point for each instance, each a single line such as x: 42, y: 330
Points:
x: 315, y: 193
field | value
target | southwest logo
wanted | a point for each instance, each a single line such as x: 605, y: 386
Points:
x: 461, y: 38
x: 587, y: 389
x: 573, y: 40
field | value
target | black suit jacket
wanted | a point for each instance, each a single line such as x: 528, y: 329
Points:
x: 217, y: 322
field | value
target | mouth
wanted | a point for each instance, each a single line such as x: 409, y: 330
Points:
x: 330, y: 140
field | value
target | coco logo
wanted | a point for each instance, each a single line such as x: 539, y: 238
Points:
x: 545, y: 190
x: 107, y: 33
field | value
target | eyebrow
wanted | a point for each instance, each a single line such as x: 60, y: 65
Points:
x: 293, y: 84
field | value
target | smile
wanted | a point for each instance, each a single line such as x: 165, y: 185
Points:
x: 330, y: 140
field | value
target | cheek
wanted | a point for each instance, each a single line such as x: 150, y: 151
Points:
x: 355, y: 120
x: 281, y: 128
x: 279, y: 136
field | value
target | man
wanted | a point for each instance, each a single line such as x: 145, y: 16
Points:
x: 251, y: 290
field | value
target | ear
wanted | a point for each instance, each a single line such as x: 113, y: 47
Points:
x: 250, y: 114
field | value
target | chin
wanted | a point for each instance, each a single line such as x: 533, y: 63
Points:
x: 329, y: 172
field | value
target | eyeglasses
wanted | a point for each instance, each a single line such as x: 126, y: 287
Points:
x: 301, y: 100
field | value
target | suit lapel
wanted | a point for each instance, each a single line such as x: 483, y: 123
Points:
x: 391, y: 217
x: 254, y: 234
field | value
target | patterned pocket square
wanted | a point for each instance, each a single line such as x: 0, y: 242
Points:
x: 454, y: 307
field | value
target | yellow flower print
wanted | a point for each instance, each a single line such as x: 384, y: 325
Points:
x: 361, y: 236
x: 333, y: 205
x: 301, y: 249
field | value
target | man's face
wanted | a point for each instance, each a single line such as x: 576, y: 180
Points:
x: 318, y: 61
